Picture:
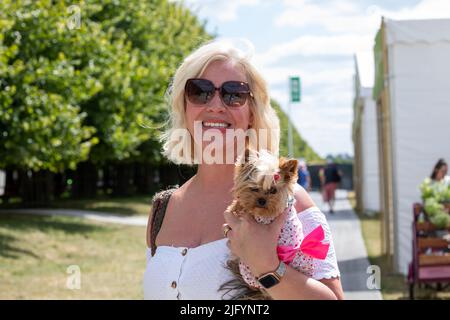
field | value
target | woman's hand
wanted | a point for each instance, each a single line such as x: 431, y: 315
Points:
x: 254, y: 243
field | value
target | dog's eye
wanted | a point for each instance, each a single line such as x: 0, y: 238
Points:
x: 273, y: 190
x: 254, y: 189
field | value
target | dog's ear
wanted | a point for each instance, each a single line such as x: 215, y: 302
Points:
x: 288, y: 168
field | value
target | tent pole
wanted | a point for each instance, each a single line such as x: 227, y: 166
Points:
x: 389, y: 219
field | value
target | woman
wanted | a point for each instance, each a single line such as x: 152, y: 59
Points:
x: 439, y: 173
x: 216, y: 89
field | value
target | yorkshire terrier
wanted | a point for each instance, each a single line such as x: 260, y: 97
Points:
x: 264, y: 188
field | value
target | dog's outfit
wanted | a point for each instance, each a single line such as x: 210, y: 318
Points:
x: 197, y: 273
x: 293, y: 248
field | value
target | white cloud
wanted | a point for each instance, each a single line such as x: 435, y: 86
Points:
x: 222, y: 11
x: 335, y: 16
x: 323, y: 120
x: 341, y: 16
x: 426, y: 9
x: 349, y: 26
x: 310, y: 77
x: 317, y: 46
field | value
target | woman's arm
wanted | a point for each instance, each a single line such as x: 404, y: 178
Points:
x: 303, y: 202
x: 295, y: 285
x: 335, y: 285
x: 256, y: 245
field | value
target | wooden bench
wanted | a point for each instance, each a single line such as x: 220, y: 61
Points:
x: 430, y: 265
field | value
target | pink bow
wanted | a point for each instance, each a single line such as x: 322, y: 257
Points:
x: 276, y: 177
x: 311, y: 245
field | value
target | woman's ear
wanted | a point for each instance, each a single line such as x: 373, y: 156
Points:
x: 250, y: 120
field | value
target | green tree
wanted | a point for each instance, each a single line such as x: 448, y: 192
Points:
x: 42, y: 124
x: 301, y: 147
x: 85, y: 80
x: 68, y: 92
x: 340, y: 158
x: 130, y: 109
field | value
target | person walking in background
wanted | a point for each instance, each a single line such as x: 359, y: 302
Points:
x: 304, y: 178
x: 330, y: 177
x: 439, y: 173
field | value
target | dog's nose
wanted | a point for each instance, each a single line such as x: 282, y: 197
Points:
x: 261, y: 202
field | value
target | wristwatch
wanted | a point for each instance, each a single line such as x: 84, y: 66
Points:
x: 270, y: 279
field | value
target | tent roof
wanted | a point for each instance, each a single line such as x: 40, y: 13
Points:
x: 414, y: 31
x: 407, y: 32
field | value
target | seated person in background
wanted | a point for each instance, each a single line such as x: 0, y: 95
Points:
x: 439, y: 174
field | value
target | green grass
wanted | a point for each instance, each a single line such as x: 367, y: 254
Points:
x: 393, y: 286
x: 35, y: 252
x: 130, y: 206
x: 122, y: 206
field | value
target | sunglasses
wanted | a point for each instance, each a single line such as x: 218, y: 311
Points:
x: 232, y: 93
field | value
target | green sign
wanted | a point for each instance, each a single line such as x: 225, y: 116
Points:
x: 295, y: 89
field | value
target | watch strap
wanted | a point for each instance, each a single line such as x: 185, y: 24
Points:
x: 281, y: 270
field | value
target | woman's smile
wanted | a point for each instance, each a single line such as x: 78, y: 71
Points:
x: 221, y: 125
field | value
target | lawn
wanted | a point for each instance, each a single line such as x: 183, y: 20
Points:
x: 121, y: 206
x: 36, y: 253
x: 393, y: 286
x: 130, y: 206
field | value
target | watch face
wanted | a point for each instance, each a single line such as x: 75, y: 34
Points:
x: 268, y: 281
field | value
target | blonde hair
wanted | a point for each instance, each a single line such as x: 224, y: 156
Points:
x: 264, y: 116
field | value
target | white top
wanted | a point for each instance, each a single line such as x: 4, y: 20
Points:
x: 446, y: 180
x: 198, y: 273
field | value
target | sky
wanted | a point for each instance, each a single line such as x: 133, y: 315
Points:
x: 316, y: 40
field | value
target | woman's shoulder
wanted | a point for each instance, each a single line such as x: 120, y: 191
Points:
x: 158, y: 210
x: 303, y: 200
x: 163, y: 194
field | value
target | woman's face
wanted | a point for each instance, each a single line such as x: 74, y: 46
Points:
x: 441, y: 173
x: 215, y: 111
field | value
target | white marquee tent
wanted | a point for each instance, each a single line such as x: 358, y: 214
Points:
x: 412, y: 92
x: 365, y: 136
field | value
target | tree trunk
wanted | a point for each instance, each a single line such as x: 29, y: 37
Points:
x: 11, y: 184
x: 60, y: 184
x: 85, y: 180
x: 107, y: 179
x: 124, y: 184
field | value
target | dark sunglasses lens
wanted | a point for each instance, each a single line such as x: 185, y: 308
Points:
x: 199, y: 91
x: 235, y: 93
